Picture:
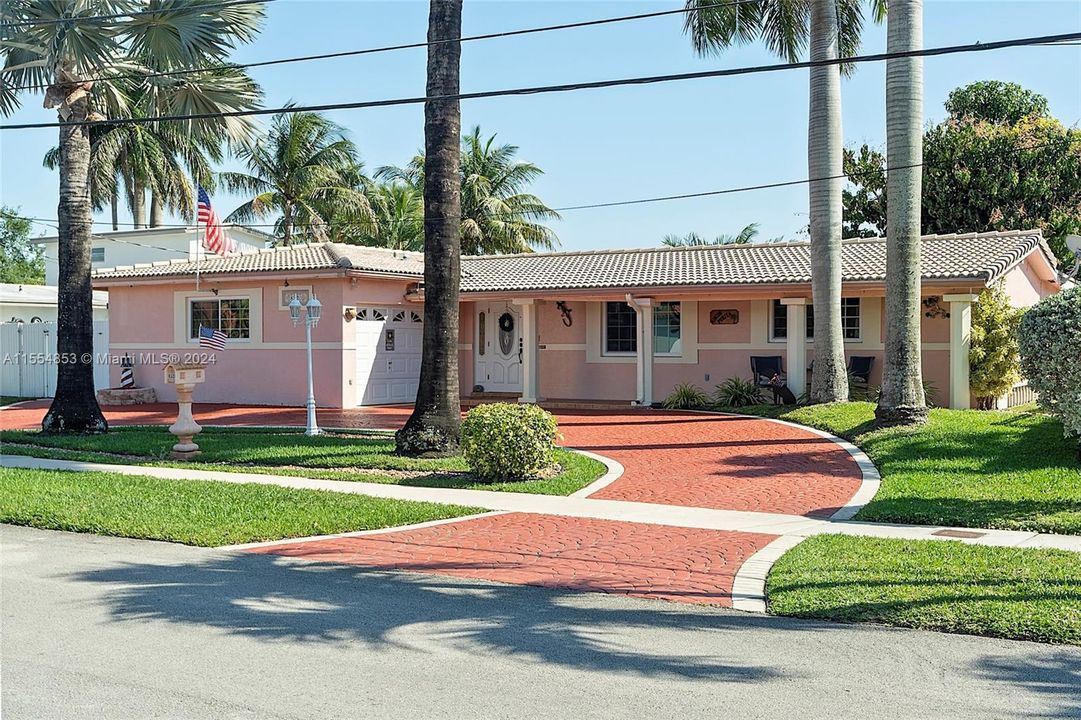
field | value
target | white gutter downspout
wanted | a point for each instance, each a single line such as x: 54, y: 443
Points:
x: 643, y: 307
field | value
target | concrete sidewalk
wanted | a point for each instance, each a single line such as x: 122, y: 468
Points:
x: 585, y: 507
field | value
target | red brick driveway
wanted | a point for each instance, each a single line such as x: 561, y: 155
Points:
x: 670, y: 458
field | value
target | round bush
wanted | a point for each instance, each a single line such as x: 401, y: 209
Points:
x: 508, y: 441
x: 1050, y: 339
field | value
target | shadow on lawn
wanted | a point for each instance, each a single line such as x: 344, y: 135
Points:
x: 272, y: 599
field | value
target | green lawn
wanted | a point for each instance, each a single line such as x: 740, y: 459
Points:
x: 1011, y: 469
x: 11, y: 399
x: 195, y: 512
x: 1022, y: 594
x: 333, y: 456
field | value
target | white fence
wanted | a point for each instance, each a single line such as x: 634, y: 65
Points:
x: 28, y: 358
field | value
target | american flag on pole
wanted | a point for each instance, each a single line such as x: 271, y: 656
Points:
x: 216, y: 240
x: 211, y: 339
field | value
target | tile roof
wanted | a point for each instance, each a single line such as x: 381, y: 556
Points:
x: 974, y: 256
x: 322, y: 256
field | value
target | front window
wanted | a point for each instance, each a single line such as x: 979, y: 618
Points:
x: 97, y: 254
x: 231, y: 316
x: 666, y: 316
x: 850, y: 320
x: 620, y: 329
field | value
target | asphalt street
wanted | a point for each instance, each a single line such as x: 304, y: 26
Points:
x: 98, y: 627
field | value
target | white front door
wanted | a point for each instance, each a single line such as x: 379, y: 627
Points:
x: 389, y: 341
x: 498, y: 348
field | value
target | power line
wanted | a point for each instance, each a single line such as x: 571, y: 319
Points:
x: 615, y: 203
x: 568, y: 87
x: 409, y: 46
x: 74, y: 19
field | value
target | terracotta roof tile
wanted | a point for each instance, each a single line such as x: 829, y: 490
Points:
x: 975, y: 256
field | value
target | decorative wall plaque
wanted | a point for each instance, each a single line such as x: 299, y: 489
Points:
x: 724, y: 317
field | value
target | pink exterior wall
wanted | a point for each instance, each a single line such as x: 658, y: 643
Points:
x: 150, y: 322
x: 150, y: 319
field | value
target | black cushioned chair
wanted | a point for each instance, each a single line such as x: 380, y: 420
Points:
x: 764, y: 368
x: 859, y: 368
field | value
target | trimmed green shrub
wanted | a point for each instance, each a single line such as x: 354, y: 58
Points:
x: 508, y: 441
x: 1050, y: 338
x: 737, y: 392
x: 686, y: 397
x: 993, y: 360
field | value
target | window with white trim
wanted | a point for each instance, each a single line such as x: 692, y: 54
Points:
x: 666, y: 329
x: 850, y: 320
x: 230, y: 315
x: 97, y: 254
x: 620, y: 329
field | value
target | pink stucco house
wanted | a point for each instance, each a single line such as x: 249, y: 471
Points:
x: 619, y: 325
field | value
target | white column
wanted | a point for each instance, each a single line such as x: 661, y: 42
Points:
x: 960, y: 344
x: 529, y: 350
x: 644, y: 309
x: 796, y: 344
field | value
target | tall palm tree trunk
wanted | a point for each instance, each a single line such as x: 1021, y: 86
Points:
x: 825, y: 147
x: 902, y: 400
x: 114, y: 209
x: 157, y: 211
x: 138, y: 205
x: 434, y: 428
x: 74, y: 408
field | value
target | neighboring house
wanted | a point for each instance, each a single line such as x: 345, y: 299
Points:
x: 37, y: 303
x: 126, y: 247
x: 621, y: 325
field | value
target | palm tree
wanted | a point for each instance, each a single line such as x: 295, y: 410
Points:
x: 435, y: 427
x: 300, y: 168
x: 833, y: 27
x: 58, y: 47
x: 902, y: 400
x: 399, y: 217
x: 497, y: 215
x: 693, y: 239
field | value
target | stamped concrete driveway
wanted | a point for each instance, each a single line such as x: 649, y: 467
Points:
x: 669, y: 458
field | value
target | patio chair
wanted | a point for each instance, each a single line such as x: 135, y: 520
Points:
x: 859, y: 368
x: 763, y: 369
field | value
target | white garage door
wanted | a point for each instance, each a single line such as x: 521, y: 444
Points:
x: 388, y: 354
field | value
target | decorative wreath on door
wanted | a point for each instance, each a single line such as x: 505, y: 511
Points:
x: 506, y: 333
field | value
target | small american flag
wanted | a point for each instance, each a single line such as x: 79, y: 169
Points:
x: 216, y: 240
x: 211, y: 339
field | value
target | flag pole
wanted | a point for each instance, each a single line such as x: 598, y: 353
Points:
x: 198, y: 241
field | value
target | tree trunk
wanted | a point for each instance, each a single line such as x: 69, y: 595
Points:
x: 114, y: 208
x: 287, y: 224
x: 902, y: 400
x: 138, y: 205
x: 74, y: 408
x: 825, y: 147
x: 434, y: 428
x: 157, y: 211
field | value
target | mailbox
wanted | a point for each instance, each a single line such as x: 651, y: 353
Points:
x: 185, y: 373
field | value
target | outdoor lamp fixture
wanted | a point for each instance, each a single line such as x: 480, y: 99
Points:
x: 314, y: 312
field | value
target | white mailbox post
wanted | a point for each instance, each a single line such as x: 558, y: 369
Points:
x: 185, y: 376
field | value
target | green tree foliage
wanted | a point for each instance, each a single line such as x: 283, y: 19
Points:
x: 498, y: 215
x: 693, y: 239
x: 1050, y: 341
x: 865, y: 196
x: 20, y: 261
x: 999, y: 162
x: 995, y: 101
x: 301, y: 171
x: 994, y: 362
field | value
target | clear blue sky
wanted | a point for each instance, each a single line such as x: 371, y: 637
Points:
x: 612, y: 144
